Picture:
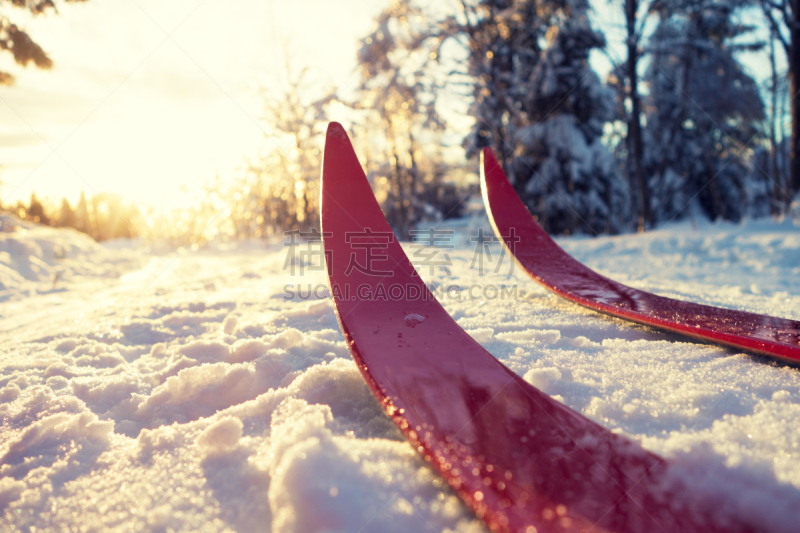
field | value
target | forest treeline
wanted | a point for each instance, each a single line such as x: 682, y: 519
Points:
x: 678, y: 127
x: 102, y: 217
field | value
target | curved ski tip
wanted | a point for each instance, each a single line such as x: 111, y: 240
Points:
x: 336, y: 130
x: 488, y: 159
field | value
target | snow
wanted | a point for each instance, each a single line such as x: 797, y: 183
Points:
x: 189, y: 391
x: 37, y: 259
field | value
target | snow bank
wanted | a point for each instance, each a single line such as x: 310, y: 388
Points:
x: 36, y: 259
x: 192, y: 393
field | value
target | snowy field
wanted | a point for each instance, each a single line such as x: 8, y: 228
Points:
x: 184, y: 392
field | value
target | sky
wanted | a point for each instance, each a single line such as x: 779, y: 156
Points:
x: 149, y: 98
x: 152, y: 99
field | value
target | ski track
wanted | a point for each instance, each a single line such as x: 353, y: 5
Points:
x: 183, y: 392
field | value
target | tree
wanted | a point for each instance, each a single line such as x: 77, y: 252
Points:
x: 66, y: 216
x: 17, y: 42
x: 503, y: 46
x: 782, y: 17
x: 401, y: 97
x: 564, y: 172
x: 83, y: 222
x: 36, y: 211
x: 775, y: 168
x: 634, y: 133
x: 281, y: 191
x: 625, y: 80
x: 703, y: 111
x: 539, y: 105
x: 526, y: 64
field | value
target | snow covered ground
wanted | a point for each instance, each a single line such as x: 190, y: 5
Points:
x: 185, y: 392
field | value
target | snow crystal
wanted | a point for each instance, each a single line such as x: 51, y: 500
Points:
x: 780, y: 396
x: 221, y: 436
x: 545, y: 379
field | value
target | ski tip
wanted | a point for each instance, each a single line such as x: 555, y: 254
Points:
x: 488, y: 159
x: 341, y: 170
x: 338, y: 142
x: 336, y: 131
x: 489, y: 165
x: 338, y: 152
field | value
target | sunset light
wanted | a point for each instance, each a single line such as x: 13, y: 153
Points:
x: 152, y: 99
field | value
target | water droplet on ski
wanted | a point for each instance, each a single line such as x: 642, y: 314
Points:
x: 412, y: 319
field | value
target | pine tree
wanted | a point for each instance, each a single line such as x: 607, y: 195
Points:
x: 36, y: 211
x: 82, y: 221
x: 535, y: 99
x: 561, y: 168
x: 704, y: 111
x: 503, y: 51
x: 66, y: 216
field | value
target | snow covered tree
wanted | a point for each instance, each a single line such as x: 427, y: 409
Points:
x: 503, y: 49
x: 783, y: 19
x: 399, y: 92
x: 281, y: 190
x: 624, y: 79
x: 535, y: 100
x: 703, y: 109
x: 562, y: 170
x: 542, y: 109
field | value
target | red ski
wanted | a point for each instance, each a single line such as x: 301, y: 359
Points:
x: 521, y: 460
x: 552, y: 267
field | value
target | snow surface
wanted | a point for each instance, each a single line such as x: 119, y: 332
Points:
x: 184, y: 392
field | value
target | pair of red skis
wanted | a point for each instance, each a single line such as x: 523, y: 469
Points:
x: 521, y: 460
